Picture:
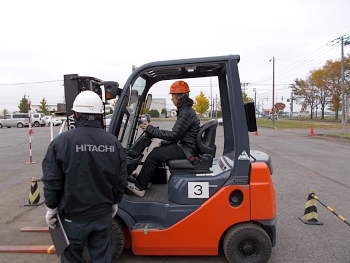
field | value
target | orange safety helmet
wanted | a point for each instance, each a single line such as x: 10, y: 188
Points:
x: 179, y: 87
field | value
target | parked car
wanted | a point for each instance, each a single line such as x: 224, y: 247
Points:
x: 37, y: 119
x: 270, y: 117
x: 18, y: 120
x: 55, y: 122
x: 220, y: 121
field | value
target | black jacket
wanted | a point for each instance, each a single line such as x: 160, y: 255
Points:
x: 84, y: 172
x: 185, y: 129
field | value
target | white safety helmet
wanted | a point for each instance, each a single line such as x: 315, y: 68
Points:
x: 88, y: 102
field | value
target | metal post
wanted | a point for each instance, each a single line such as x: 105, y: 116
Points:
x: 211, y: 99
x: 291, y: 105
x: 51, y: 127
x: 273, y: 93
x: 30, y: 135
x: 216, y: 106
x: 342, y: 86
x: 255, y: 100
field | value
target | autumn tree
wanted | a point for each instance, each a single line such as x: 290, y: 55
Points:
x: 318, y: 79
x: 144, y: 110
x: 323, y: 87
x: 201, y: 104
x: 4, y: 112
x: 43, y: 107
x: 23, y: 105
x: 245, y: 97
x: 304, y: 89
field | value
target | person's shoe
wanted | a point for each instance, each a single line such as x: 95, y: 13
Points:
x: 132, y: 188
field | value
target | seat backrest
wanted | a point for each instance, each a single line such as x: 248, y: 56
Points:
x: 206, y: 137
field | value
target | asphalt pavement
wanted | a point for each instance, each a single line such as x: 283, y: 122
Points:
x: 301, y: 162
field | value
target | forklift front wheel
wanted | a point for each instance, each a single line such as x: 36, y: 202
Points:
x: 247, y: 242
x: 117, y: 239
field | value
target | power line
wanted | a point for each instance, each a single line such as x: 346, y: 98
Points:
x: 310, y: 57
x: 25, y: 83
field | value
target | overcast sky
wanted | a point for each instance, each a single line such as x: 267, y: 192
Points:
x: 43, y: 40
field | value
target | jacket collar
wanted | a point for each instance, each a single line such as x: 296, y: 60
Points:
x: 187, y: 104
x: 85, y: 123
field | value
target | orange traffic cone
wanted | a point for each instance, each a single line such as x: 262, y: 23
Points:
x: 312, y: 131
x: 256, y: 133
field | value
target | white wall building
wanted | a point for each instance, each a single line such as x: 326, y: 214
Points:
x: 158, y: 104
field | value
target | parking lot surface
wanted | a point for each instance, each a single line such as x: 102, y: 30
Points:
x: 300, y: 161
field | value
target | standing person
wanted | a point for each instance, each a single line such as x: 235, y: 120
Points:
x: 180, y: 142
x: 84, y: 180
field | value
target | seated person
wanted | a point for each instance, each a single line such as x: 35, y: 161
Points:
x: 183, y: 135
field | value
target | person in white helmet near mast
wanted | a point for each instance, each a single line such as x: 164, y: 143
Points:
x: 84, y: 176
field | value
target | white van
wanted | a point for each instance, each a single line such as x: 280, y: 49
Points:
x: 37, y: 119
x: 18, y: 120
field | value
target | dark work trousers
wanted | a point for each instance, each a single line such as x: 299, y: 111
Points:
x: 97, y: 232
x: 158, y: 156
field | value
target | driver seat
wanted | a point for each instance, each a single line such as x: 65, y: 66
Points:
x: 207, y: 149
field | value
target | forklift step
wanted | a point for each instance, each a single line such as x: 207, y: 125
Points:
x: 148, y: 226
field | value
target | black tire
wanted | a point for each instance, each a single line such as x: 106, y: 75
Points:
x: 0, y: 126
x: 117, y: 239
x: 247, y: 242
x: 20, y: 125
x: 117, y: 242
x: 36, y: 124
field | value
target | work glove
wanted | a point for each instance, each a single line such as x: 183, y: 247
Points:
x: 51, y: 217
x: 114, y: 210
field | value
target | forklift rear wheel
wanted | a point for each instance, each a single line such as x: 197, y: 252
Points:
x: 117, y: 242
x: 247, y: 242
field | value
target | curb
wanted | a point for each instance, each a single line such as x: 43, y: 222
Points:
x: 335, y: 136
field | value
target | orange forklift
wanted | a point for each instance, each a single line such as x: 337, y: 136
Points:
x: 192, y: 208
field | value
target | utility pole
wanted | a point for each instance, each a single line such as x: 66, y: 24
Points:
x: 254, y: 90
x: 344, y: 40
x: 211, y: 100
x: 216, y: 106
x: 291, y: 105
x: 342, y: 85
x: 244, y: 85
x: 273, y: 91
x: 343, y: 97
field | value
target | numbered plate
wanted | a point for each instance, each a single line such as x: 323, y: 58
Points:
x: 198, y: 189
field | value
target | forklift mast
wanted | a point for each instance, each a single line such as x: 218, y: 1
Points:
x: 74, y: 84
